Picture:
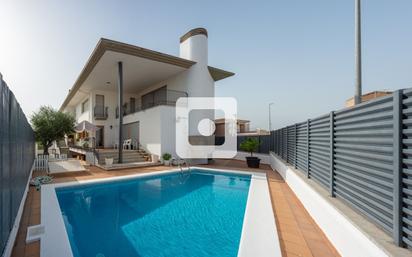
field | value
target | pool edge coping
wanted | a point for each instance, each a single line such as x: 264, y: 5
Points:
x: 55, y: 240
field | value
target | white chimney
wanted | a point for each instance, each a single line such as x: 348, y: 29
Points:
x: 193, y: 46
x: 198, y: 81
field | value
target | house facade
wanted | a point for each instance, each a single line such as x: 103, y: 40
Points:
x: 147, y: 84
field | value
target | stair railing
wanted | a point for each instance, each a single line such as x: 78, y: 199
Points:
x: 145, y: 150
x: 179, y: 164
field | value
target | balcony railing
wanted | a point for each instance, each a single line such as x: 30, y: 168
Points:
x: 101, y: 112
x: 168, y: 97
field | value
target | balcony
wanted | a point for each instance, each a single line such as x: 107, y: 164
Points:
x: 101, y: 112
x: 164, y: 97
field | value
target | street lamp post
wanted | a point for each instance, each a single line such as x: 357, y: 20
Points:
x: 358, y: 54
x: 270, y: 117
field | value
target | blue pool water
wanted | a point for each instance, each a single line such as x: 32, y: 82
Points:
x: 196, y: 214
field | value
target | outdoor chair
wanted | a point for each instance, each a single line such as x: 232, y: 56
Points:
x: 127, y: 144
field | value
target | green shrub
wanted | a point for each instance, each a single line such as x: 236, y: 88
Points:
x: 250, y: 145
x: 167, y: 156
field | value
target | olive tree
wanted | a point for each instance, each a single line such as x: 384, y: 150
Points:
x: 50, y: 125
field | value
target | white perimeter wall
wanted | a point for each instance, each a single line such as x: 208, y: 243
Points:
x: 343, y: 234
x: 13, y: 233
x: 264, y: 158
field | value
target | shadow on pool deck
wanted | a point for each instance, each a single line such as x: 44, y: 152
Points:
x: 298, y: 233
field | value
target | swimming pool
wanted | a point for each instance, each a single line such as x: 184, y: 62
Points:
x: 196, y: 213
x: 199, y: 213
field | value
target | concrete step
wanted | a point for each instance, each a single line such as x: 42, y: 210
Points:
x: 124, y: 157
x: 124, y: 153
x: 124, y: 161
x: 113, y: 154
x: 128, y: 156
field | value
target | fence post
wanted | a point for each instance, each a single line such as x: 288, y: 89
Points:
x: 397, y: 167
x: 332, y: 153
x: 282, y: 135
x: 307, y: 147
x: 280, y: 142
x: 287, y: 145
x: 282, y: 138
x: 2, y: 179
x: 296, y: 147
x: 271, y: 145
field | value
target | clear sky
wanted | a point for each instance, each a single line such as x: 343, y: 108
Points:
x: 296, y: 53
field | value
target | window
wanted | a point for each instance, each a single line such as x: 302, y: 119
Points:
x: 99, y: 109
x: 85, y: 106
x: 99, y: 100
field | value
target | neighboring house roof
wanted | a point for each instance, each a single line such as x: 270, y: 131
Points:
x: 110, y: 45
x: 367, y: 97
x: 239, y: 121
x: 254, y: 133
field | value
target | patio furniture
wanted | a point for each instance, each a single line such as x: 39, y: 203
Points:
x: 65, y: 166
x: 127, y: 144
x: 135, y: 144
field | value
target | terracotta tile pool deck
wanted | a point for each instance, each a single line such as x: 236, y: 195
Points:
x: 298, y: 233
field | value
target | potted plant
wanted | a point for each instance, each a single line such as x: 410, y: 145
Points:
x: 251, y: 145
x: 166, y: 159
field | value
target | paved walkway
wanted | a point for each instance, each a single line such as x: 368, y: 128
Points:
x: 298, y: 233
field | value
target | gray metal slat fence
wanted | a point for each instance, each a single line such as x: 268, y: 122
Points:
x: 265, y: 142
x: 16, y: 159
x: 362, y: 155
x: 405, y: 217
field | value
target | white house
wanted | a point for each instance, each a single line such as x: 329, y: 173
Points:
x: 147, y: 83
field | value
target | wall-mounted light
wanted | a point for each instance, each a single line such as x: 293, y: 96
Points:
x: 111, y: 126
